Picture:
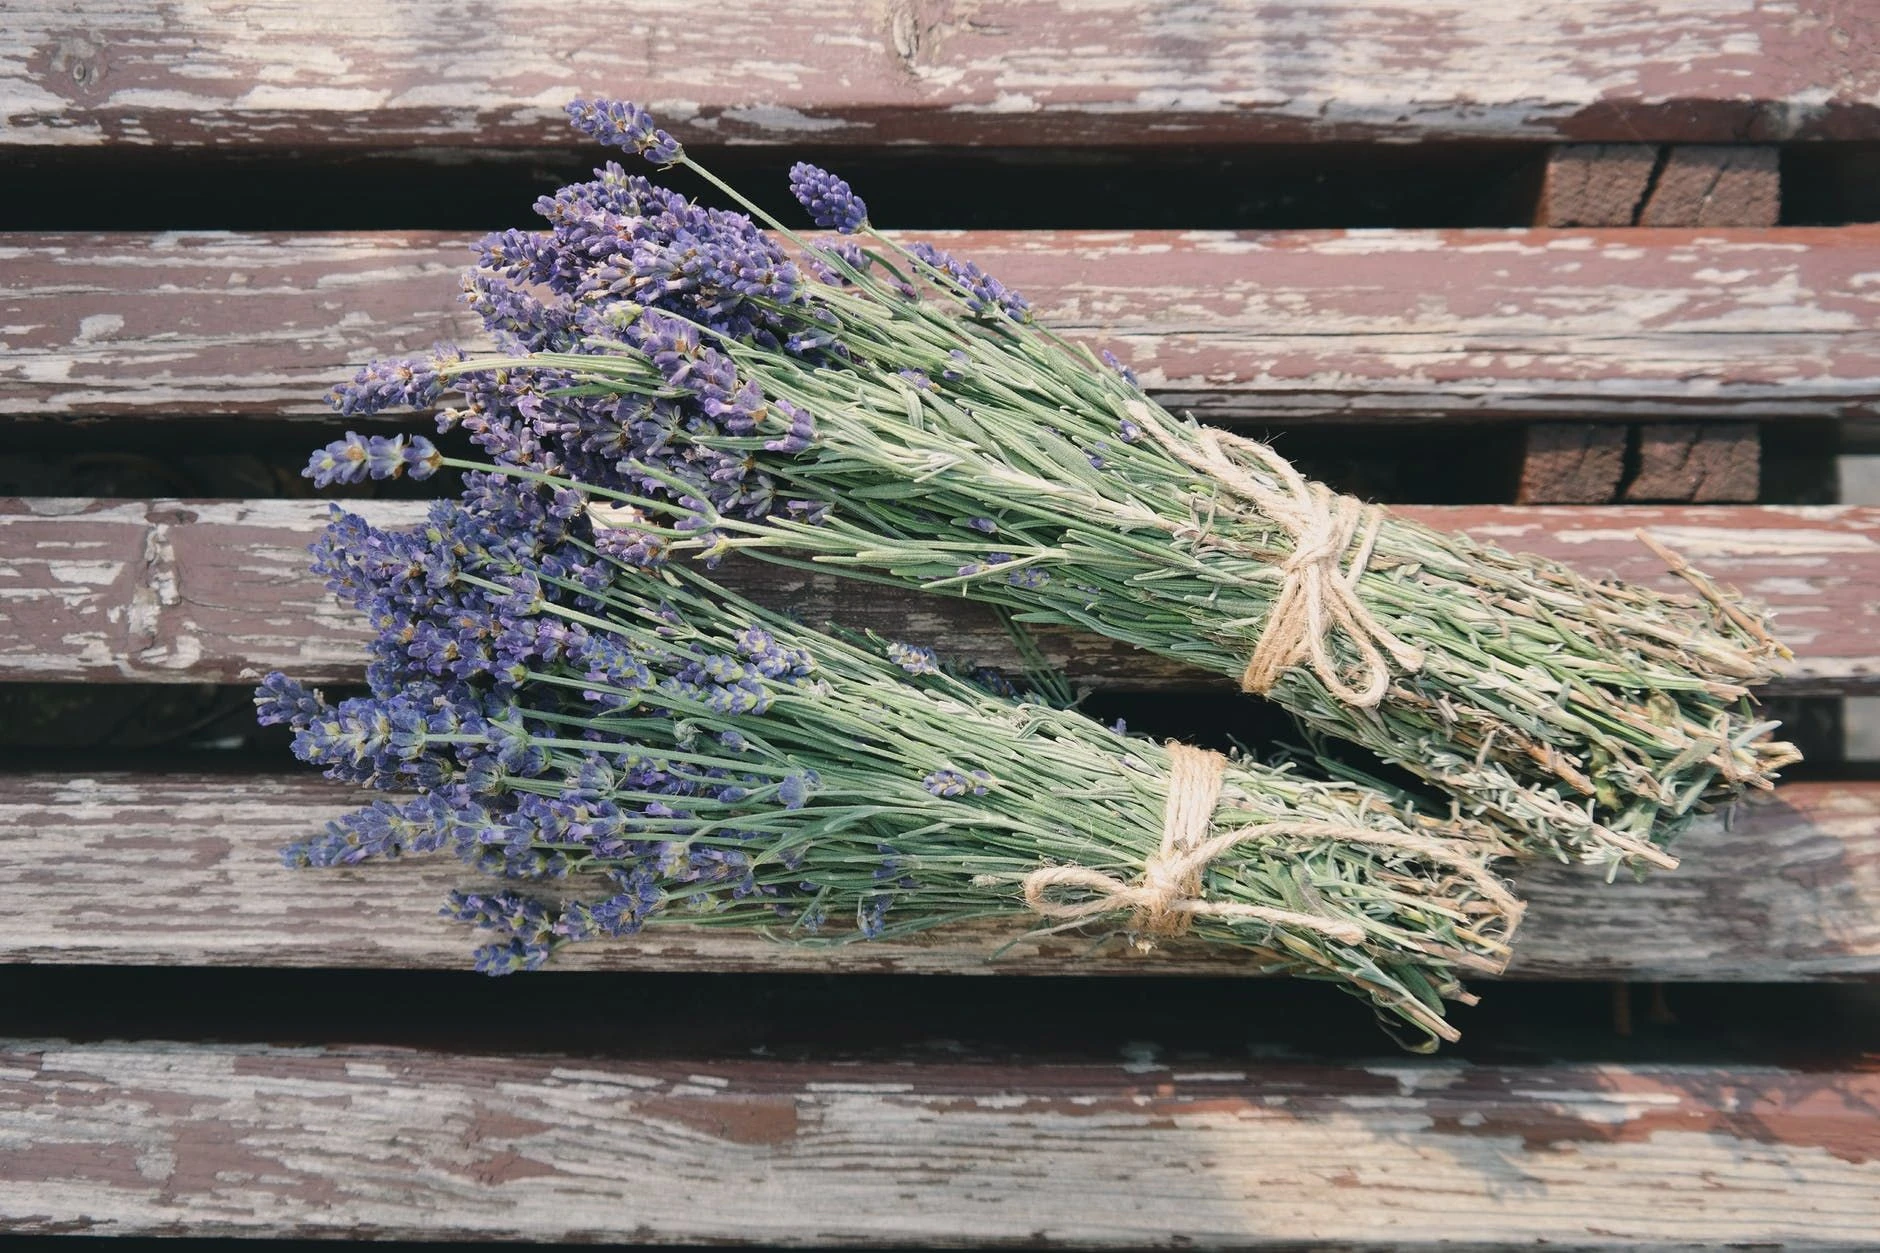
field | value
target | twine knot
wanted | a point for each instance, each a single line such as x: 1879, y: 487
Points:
x: 1315, y: 596
x: 1166, y: 900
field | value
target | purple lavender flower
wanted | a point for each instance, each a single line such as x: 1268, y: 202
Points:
x: 622, y: 124
x: 829, y: 200
x: 1129, y: 375
x: 956, y: 783
x: 983, y: 292
x: 357, y: 458
x: 912, y: 658
x: 280, y: 699
x: 399, y: 382
x: 794, y: 791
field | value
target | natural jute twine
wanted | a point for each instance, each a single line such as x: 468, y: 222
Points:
x: 1314, y: 595
x: 1167, y: 899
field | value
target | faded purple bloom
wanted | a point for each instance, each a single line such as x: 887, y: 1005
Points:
x: 623, y: 124
x: 829, y: 200
x: 912, y: 658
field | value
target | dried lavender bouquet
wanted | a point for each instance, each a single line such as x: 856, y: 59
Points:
x: 643, y: 747
x: 891, y: 411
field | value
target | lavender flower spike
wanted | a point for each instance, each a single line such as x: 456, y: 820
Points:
x: 623, y: 124
x: 830, y: 200
x: 357, y: 458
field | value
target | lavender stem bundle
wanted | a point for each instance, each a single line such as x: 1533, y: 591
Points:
x: 893, y: 412
x: 638, y: 747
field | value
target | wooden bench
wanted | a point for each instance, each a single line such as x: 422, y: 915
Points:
x: 202, y: 1043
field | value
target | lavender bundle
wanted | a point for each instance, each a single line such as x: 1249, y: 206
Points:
x: 638, y: 747
x: 893, y: 412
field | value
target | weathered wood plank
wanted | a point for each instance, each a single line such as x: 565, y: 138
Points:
x: 184, y: 869
x: 1275, y: 326
x: 246, y: 1140
x: 219, y: 592
x: 290, y: 73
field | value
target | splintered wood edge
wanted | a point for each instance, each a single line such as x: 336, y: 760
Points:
x: 185, y: 869
x: 248, y: 1140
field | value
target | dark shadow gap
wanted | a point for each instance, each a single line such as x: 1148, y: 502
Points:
x: 1166, y: 187
x: 1830, y: 184
x: 257, y: 458
x: 1155, y: 1021
x: 90, y: 727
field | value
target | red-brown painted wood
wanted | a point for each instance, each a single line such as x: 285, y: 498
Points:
x: 184, y: 869
x: 203, y: 591
x: 363, y: 1140
x: 1031, y: 73
x: 1272, y: 326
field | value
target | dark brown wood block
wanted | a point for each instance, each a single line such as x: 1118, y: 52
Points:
x: 1571, y: 463
x: 195, y: 591
x: 1030, y: 73
x: 145, y: 869
x: 1711, y: 462
x: 1596, y: 184
x: 1451, y: 326
x: 440, y: 1144
x: 1715, y: 185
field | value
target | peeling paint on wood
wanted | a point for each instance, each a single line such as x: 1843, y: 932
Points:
x: 308, y: 73
x: 219, y: 591
x: 245, y: 1140
x: 183, y: 869
x: 1272, y: 326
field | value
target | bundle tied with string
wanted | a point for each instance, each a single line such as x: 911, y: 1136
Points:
x: 1170, y: 894
x: 866, y: 405
x: 1314, y: 595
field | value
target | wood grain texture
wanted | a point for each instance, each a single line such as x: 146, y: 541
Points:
x: 1715, y: 185
x: 248, y: 1140
x: 1707, y: 462
x: 1271, y: 327
x: 1571, y: 463
x: 183, y: 869
x: 192, y: 591
x: 303, y: 73
x: 1595, y: 184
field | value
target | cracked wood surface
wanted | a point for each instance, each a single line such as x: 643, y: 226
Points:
x: 194, y: 591
x: 1456, y: 325
x: 400, y: 1142
x: 1026, y: 73
x: 184, y: 869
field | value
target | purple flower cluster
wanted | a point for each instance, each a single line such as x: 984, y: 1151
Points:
x: 830, y: 201
x: 627, y: 267
x: 984, y: 293
x: 538, y: 744
x: 357, y: 458
x: 620, y: 124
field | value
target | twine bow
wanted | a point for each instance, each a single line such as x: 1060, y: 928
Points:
x: 1168, y: 898
x: 1314, y: 595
